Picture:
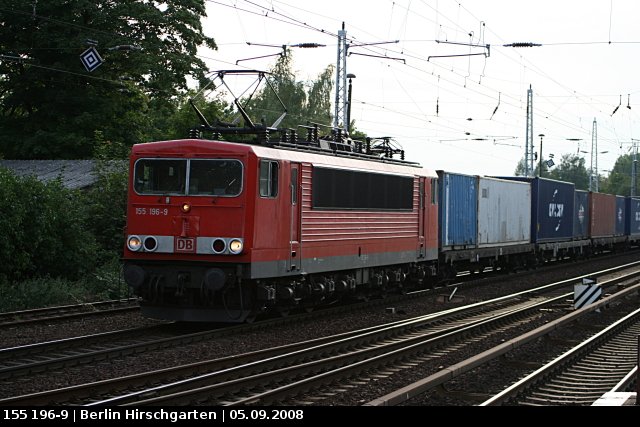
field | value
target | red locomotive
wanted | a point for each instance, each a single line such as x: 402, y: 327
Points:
x: 223, y: 231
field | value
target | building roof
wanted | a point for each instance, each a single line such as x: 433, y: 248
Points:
x: 74, y: 173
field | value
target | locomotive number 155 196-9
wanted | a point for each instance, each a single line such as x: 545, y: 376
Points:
x: 152, y: 211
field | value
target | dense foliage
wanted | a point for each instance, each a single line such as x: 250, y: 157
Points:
x: 105, y: 203
x: 572, y: 168
x: 619, y: 179
x: 58, y: 243
x: 51, y: 107
x: 44, y: 230
x: 305, y: 103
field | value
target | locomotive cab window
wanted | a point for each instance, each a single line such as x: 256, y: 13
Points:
x: 216, y: 177
x: 268, y: 178
x: 160, y: 176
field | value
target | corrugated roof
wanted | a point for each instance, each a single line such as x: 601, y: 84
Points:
x: 74, y: 173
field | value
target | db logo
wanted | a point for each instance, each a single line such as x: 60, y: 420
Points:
x: 185, y: 244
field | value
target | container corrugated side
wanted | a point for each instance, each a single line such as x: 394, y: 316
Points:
x: 632, y: 225
x: 552, y: 210
x: 581, y: 215
x: 602, y: 210
x: 457, y: 210
x: 504, y: 212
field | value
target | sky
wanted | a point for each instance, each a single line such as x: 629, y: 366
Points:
x: 416, y: 82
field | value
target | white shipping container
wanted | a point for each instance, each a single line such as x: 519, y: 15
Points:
x: 504, y: 212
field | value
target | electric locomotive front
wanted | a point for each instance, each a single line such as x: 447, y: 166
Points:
x: 186, y: 229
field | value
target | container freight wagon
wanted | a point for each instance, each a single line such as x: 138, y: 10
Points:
x: 581, y: 215
x: 504, y: 212
x: 632, y: 223
x: 484, y: 222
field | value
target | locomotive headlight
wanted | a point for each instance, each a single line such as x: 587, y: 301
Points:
x: 150, y: 243
x: 185, y: 207
x: 134, y: 243
x: 235, y: 246
x: 218, y: 246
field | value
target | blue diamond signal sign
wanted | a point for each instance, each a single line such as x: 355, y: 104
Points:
x: 91, y: 59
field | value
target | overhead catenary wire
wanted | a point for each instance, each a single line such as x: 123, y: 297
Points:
x: 570, y: 123
x: 489, y: 90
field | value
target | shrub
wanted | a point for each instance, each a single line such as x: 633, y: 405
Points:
x: 40, y: 292
x: 106, y: 205
x: 61, y: 246
x: 45, y: 231
x: 107, y: 282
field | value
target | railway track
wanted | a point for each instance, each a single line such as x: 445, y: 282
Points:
x: 66, y: 312
x: 41, y: 357
x: 238, y: 384
x: 292, y: 385
x: 583, y: 374
x: 491, y: 365
x: 364, y: 348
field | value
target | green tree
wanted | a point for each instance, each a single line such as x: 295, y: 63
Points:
x: 178, y: 124
x: 619, y: 179
x: 318, y: 107
x: 50, y: 106
x: 572, y: 169
x: 305, y: 103
x: 520, y: 169
x: 265, y: 107
x: 108, y: 150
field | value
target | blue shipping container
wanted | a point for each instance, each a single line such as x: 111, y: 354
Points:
x: 581, y: 215
x: 632, y: 224
x: 552, y: 210
x: 458, y: 210
x: 621, y: 208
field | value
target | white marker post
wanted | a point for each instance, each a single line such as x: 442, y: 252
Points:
x: 586, y: 293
